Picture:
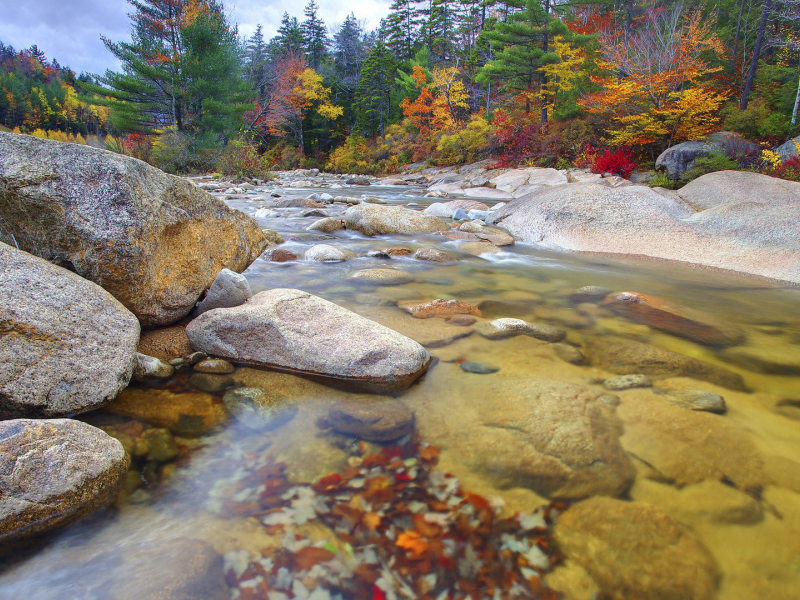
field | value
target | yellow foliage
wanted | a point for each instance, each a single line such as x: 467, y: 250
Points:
x: 771, y: 158
x: 309, y: 89
x: 562, y: 75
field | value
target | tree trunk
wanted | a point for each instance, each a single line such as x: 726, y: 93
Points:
x: 751, y: 75
x: 736, y: 37
x: 796, y: 104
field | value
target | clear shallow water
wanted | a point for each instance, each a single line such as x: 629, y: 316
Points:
x: 732, y: 480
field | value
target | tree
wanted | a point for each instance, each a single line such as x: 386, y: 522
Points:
x: 289, y: 40
x: 373, y: 93
x: 315, y: 37
x: 402, y: 24
x: 520, y: 46
x: 657, y: 88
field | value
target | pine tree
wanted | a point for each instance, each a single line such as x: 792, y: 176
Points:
x: 315, y: 37
x: 520, y: 46
x: 373, y: 92
x: 289, y: 39
x: 402, y: 24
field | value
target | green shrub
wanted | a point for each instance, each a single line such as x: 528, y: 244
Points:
x: 240, y: 159
x: 465, y: 145
x: 172, y: 152
x: 716, y: 161
x: 662, y: 180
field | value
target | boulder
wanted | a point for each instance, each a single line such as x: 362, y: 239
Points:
x: 466, y: 205
x: 326, y: 225
x: 359, y: 180
x: 746, y: 222
x: 148, y: 368
x: 328, y: 253
x: 633, y: 550
x: 694, y: 400
x: 279, y: 255
x: 789, y: 150
x: 559, y: 439
x: 379, y: 421
x: 294, y: 330
x: 434, y: 255
x: 625, y: 357
x: 154, y: 241
x: 683, y: 322
x: 680, y: 158
x: 165, y: 343
x: 486, y: 193
x: 229, y: 289
x: 439, y: 209
x: 370, y: 220
x: 66, y: 345
x: 53, y: 472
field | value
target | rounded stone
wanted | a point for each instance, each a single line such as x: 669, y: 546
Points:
x: 214, y: 365
x: 627, y: 382
x: 211, y: 383
x: 259, y: 409
x: 376, y: 421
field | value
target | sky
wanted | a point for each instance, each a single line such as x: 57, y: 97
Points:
x: 69, y: 30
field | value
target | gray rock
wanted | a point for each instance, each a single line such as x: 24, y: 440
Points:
x: 477, y: 215
x: 377, y: 220
x: 627, y: 357
x: 633, y: 550
x: 53, y: 472
x: 505, y: 328
x: 627, y: 382
x: 148, y: 368
x: 258, y: 409
x: 680, y: 158
x: 328, y: 253
x: 589, y: 293
x: 229, y: 289
x: 695, y: 400
x: 746, y: 222
x: 266, y: 213
x: 357, y: 181
x: 439, y: 209
x: 478, y: 368
x: 66, y: 345
x: 327, y: 225
x: 295, y: 330
x: 375, y: 421
x: 460, y: 214
x: 154, y: 241
x: 314, y: 212
x: 210, y: 382
x: 788, y: 150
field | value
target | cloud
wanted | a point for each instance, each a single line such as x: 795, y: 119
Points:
x: 70, y: 31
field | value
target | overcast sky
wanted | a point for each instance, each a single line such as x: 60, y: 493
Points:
x: 69, y: 30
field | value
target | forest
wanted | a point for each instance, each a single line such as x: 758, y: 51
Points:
x: 603, y: 84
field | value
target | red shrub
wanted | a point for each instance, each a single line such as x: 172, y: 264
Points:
x: 517, y: 136
x: 789, y: 169
x: 616, y: 162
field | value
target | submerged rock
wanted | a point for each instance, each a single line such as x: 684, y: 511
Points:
x: 633, y: 550
x: 328, y: 253
x: 505, y: 328
x: 375, y: 421
x: 229, y: 289
x: 559, y: 439
x: 627, y: 357
x: 53, y: 472
x: 259, y: 409
x: 66, y: 345
x: 478, y: 368
x: 183, y: 413
x: 439, y: 308
x: 627, y: 382
x: 382, y: 276
x: 781, y: 360
x: 683, y: 322
x: 434, y: 255
x: 372, y: 220
x: 149, y: 367
x: 695, y: 400
x: 154, y: 241
x: 295, y: 330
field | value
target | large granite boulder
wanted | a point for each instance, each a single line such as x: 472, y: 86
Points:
x: 154, y: 241
x: 681, y: 158
x: 294, y: 330
x: 371, y: 219
x: 53, y: 472
x: 633, y: 550
x: 731, y: 220
x: 66, y: 345
x: 559, y: 439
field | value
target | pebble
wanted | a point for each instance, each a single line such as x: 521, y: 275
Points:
x: 462, y: 320
x: 505, y: 328
x: 478, y: 368
x: 214, y: 365
x: 196, y: 357
x: 569, y: 353
x: 627, y: 382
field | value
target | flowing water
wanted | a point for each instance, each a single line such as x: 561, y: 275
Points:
x: 390, y: 524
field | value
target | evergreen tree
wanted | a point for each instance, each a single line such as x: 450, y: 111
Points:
x: 373, y: 93
x: 289, y: 39
x: 520, y: 44
x: 402, y: 24
x: 256, y: 62
x: 315, y: 37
